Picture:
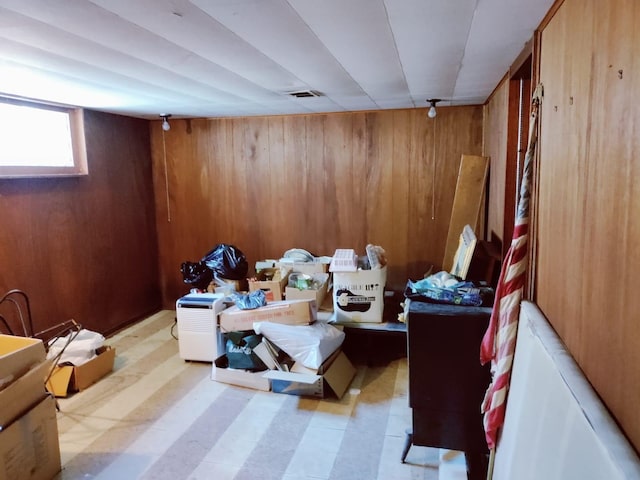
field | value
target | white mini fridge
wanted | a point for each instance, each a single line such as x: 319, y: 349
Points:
x: 199, y: 336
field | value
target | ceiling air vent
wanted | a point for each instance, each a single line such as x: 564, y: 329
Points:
x: 305, y: 94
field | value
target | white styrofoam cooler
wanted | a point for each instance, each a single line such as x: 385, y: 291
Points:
x: 198, y: 332
x: 359, y: 296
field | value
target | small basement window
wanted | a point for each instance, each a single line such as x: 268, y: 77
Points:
x: 41, y: 140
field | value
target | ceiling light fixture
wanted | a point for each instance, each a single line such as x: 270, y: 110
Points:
x: 432, y: 111
x: 165, y: 121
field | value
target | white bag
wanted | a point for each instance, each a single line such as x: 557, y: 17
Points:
x: 308, y: 344
x: 77, y: 351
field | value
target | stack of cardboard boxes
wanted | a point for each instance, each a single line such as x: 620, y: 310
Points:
x: 289, y: 305
x: 295, y: 291
x: 293, y: 280
x: 233, y: 319
x: 29, y: 447
x: 336, y: 372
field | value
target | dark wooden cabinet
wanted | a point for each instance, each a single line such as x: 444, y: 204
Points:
x: 446, y: 381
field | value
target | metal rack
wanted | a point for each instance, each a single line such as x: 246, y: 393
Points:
x: 16, y: 302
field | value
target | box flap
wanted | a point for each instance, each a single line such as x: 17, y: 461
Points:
x: 298, y: 367
x: 339, y: 375
x: 23, y: 393
x: 292, y: 376
x: 263, y: 352
x: 221, y: 373
x: 59, y: 381
x: 17, y: 356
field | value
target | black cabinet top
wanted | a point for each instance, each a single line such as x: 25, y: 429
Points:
x: 446, y: 309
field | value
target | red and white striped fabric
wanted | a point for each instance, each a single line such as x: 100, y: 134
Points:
x: 499, y: 342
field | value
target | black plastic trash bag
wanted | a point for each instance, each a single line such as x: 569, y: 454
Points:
x: 196, y: 274
x: 227, y: 261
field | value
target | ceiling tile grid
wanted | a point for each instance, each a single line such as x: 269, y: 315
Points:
x: 224, y: 58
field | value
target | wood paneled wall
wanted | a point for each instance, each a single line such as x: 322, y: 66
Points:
x: 85, y: 247
x: 318, y: 182
x: 495, y: 147
x: 589, y: 202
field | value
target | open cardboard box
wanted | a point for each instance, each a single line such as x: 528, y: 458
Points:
x: 17, y: 356
x: 271, y: 281
x: 320, y: 265
x: 69, y: 378
x: 293, y: 293
x: 221, y: 372
x: 334, y: 375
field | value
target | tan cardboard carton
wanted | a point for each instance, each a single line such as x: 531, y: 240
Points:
x: 321, y: 265
x: 289, y: 312
x: 317, y: 294
x: 333, y: 376
x: 272, y: 281
x: 29, y: 448
x: 17, y: 356
x: 23, y: 393
x: 69, y: 378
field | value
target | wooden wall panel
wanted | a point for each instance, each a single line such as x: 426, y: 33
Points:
x: 468, y: 203
x: 404, y: 150
x: 318, y: 182
x: 380, y: 224
x: 85, y: 247
x: 422, y: 183
x: 589, y: 227
x: 495, y: 147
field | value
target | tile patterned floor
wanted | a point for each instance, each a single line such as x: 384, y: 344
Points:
x: 159, y: 417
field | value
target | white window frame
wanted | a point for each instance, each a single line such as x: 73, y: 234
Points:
x: 78, y: 145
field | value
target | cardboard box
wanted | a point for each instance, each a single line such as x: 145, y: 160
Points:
x: 262, y: 264
x: 228, y: 286
x: 272, y: 281
x: 359, y: 296
x: 321, y: 265
x: 29, y: 448
x: 18, y: 355
x: 23, y: 393
x: 69, y: 378
x: 293, y: 293
x: 289, y: 312
x: 334, y: 375
x: 243, y: 378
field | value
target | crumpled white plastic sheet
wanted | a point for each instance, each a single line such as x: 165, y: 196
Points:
x: 77, y: 351
x: 308, y: 344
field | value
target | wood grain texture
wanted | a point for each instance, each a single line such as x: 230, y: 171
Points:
x: 589, y: 227
x: 517, y: 141
x: 85, y: 247
x: 495, y: 147
x: 467, y: 202
x: 319, y: 182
